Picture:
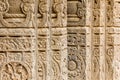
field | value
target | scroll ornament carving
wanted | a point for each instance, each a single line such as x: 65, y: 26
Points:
x: 109, y: 61
x: 76, y: 65
x: 27, y: 9
x: 60, y: 10
x: 96, y: 64
x: 41, y: 71
x: 27, y: 6
x: 3, y: 7
x: 14, y: 71
x: 43, y: 11
x: 80, y: 9
x: 15, y: 44
x: 2, y: 58
x: 42, y: 66
x: 81, y: 12
x: 56, y: 66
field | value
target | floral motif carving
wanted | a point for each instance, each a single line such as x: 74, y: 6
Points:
x: 14, y: 71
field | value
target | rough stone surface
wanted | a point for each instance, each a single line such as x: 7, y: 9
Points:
x: 59, y: 40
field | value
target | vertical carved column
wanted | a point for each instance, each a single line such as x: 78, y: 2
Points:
x: 96, y: 33
x: 43, y: 41
x: 77, y: 32
x: 109, y: 56
x: 17, y: 40
x: 102, y: 38
x: 116, y: 63
x: 59, y: 39
x: 88, y: 39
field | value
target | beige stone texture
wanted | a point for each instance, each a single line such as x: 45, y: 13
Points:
x: 59, y: 40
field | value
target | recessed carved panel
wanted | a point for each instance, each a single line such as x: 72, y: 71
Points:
x: 14, y: 71
x: 76, y: 53
x: 76, y: 13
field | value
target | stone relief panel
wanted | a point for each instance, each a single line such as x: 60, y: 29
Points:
x: 109, y: 56
x: 76, y: 54
x: 76, y: 10
x: 30, y: 33
x: 116, y: 14
x: 95, y: 62
x: 43, y: 13
x: 96, y: 33
x: 17, y: 39
x: 43, y: 41
x: 59, y: 13
x: 109, y: 14
x: 59, y: 46
x: 59, y: 39
x: 14, y: 71
x: 24, y: 10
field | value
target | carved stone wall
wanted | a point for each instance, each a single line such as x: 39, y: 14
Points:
x: 59, y: 40
x: 93, y: 39
x: 33, y: 40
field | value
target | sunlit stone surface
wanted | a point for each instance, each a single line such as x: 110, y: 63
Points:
x: 59, y: 40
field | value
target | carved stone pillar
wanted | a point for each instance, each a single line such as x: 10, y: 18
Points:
x: 17, y: 40
x: 109, y: 55
x: 77, y: 32
x: 33, y: 40
x: 95, y: 35
x: 43, y: 41
x: 58, y: 17
x: 116, y: 21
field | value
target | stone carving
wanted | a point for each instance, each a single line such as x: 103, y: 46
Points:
x: 2, y: 58
x: 76, y: 65
x: 34, y: 39
x: 59, y: 8
x: 56, y: 65
x: 96, y: 39
x: 14, y: 57
x: 109, y: 60
x: 27, y: 59
x: 76, y: 54
x: 109, y: 56
x: 17, y: 32
x: 42, y: 43
x: 42, y: 66
x: 96, y: 4
x: 96, y: 18
x: 76, y: 10
x: 27, y: 8
x: 96, y: 13
x: 72, y: 39
x: 81, y: 11
x: 15, y: 44
x: 43, y: 11
x: 96, y: 64
x: 14, y: 71
x: 109, y: 14
x: 4, y: 6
